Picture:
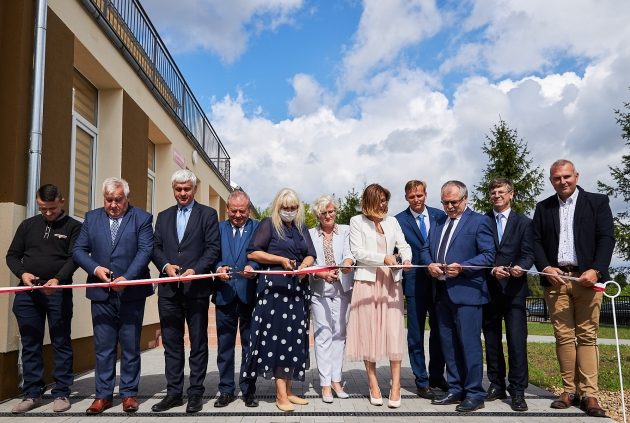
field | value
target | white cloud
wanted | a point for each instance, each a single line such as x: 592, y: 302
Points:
x: 385, y: 29
x: 524, y: 36
x: 222, y: 27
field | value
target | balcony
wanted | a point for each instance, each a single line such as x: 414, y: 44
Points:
x: 129, y: 28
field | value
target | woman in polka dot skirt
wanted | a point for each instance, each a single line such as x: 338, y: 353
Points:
x: 279, y: 332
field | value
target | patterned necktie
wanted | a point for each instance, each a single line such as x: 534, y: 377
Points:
x: 181, y: 223
x: 442, y: 250
x: 500, y: 226
x: 423, y: 227
x: 114, y: 229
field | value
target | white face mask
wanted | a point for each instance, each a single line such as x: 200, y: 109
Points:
x: 288, y: 216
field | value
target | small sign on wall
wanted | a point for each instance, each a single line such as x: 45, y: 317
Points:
x: 179, y: 158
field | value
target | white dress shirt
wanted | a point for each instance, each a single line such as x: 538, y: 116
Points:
x: 566, y: 247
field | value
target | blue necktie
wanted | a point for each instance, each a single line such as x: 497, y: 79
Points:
x: 114, y: 229
x: 499, y: 226
x: 181, y: 223
x: 238, y: 238
x: 423, y: 227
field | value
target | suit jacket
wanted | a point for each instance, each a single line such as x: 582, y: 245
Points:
x: 341, y: 249
x: 364, y: 249
x: 198, y: 250
x: 238, y: 285
x: 593, y: 233
x: 472, y: 244
x: 410, y: 229
x: 516, y: 248
x: 129, y: 256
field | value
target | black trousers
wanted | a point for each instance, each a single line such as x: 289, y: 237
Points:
x: 513, y: 311
x: 175, y: 312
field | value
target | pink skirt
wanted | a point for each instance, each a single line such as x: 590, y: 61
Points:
x: 375, y: 324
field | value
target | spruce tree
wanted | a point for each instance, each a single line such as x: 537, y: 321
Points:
x: 621, y: 187
x: 508, y: 157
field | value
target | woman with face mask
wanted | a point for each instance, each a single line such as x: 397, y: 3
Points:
x: 376, y: 324
x: 279, y: 342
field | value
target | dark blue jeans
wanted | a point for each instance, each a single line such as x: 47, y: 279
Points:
x: 31, y: 310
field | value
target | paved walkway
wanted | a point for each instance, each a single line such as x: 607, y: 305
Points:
x: 355, y: 409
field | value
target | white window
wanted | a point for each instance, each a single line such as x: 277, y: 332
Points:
x: 84, y: 138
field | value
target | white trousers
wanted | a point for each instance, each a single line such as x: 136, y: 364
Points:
x: 330, y: 318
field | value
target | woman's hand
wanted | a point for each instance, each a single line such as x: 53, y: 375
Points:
x: 390, y: 260
x: 346, y: 266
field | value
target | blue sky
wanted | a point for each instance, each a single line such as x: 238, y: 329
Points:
x: 326, y: 96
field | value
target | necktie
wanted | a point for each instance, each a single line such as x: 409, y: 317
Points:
x: 181, y: 223
x: 423, y: 227
x: 237, y: 240
x: 442, y: 250
x: 114, y: 229
x: 500, y: 226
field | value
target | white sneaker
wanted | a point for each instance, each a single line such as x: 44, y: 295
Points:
x: 26, y: 404
x: 61, y: 404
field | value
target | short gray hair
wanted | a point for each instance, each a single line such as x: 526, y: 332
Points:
x: 182, y: 176
x: 463, y: 191
x: 238, y: 194
x: 320, y: 205
x: 113, y: 183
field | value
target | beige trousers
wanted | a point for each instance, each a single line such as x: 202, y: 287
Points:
x: 574, y: 313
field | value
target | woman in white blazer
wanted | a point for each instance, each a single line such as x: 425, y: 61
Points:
x: 331, y: 292
x: 376, y: 321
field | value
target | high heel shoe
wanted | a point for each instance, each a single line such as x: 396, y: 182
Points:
x: 376, y: 401
x: 391, y: 403
x: 297, y: 400
x: 341, y: 394
x: 328, y: 399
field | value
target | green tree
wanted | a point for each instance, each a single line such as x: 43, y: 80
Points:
x: 508, y: 157
x: 621, y: 187
x: 348, y: 207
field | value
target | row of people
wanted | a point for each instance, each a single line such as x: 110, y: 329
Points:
x: 367, y: 304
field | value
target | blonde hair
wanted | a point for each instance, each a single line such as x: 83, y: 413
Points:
x: 321, y: 204
x: 286, y: 197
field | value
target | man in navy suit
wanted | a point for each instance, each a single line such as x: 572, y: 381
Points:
x: 416, y: 222
x: 574, y: 236
x: 235, y: 298
x: 116, y: 242
x: 507, y: 283
x: 186, y: 243
x: 463, y: 239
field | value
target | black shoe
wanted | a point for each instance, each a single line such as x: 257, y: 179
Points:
x: 224, y: 400
x: 469, y: 405
x: 250, y: 400
x: 495, y: 393
x: 447, y: 399
x: 518, y: 403
x: 167, y: 403
x: 426, y: 393
x: 443, y: 386
x: 195, y: 404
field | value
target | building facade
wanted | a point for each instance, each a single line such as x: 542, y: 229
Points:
x: 115, y: 104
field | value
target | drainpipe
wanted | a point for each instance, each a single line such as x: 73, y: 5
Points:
x: 37, y: 110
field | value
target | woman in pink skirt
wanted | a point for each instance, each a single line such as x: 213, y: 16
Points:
x: 376, y: 323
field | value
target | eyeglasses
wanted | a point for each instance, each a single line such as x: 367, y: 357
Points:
x: 452, y: 203
x: 328, y: 213
x: 499, y: 193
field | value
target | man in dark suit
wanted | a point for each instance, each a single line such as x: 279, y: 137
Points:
x: 507, y: 283
x: 234, y: 299
x: 186, y: 243
x: 574, y: 236
x: 463, y: 239
x: 116, y: 242
x: 416, y: 222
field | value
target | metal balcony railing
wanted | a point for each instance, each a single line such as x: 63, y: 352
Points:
x: 128, y: 26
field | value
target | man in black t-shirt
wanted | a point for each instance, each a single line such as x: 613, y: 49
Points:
x: 41, y: 254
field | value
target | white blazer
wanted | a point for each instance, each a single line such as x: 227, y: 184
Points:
x: 341, y: 249
x: 364, y: 250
